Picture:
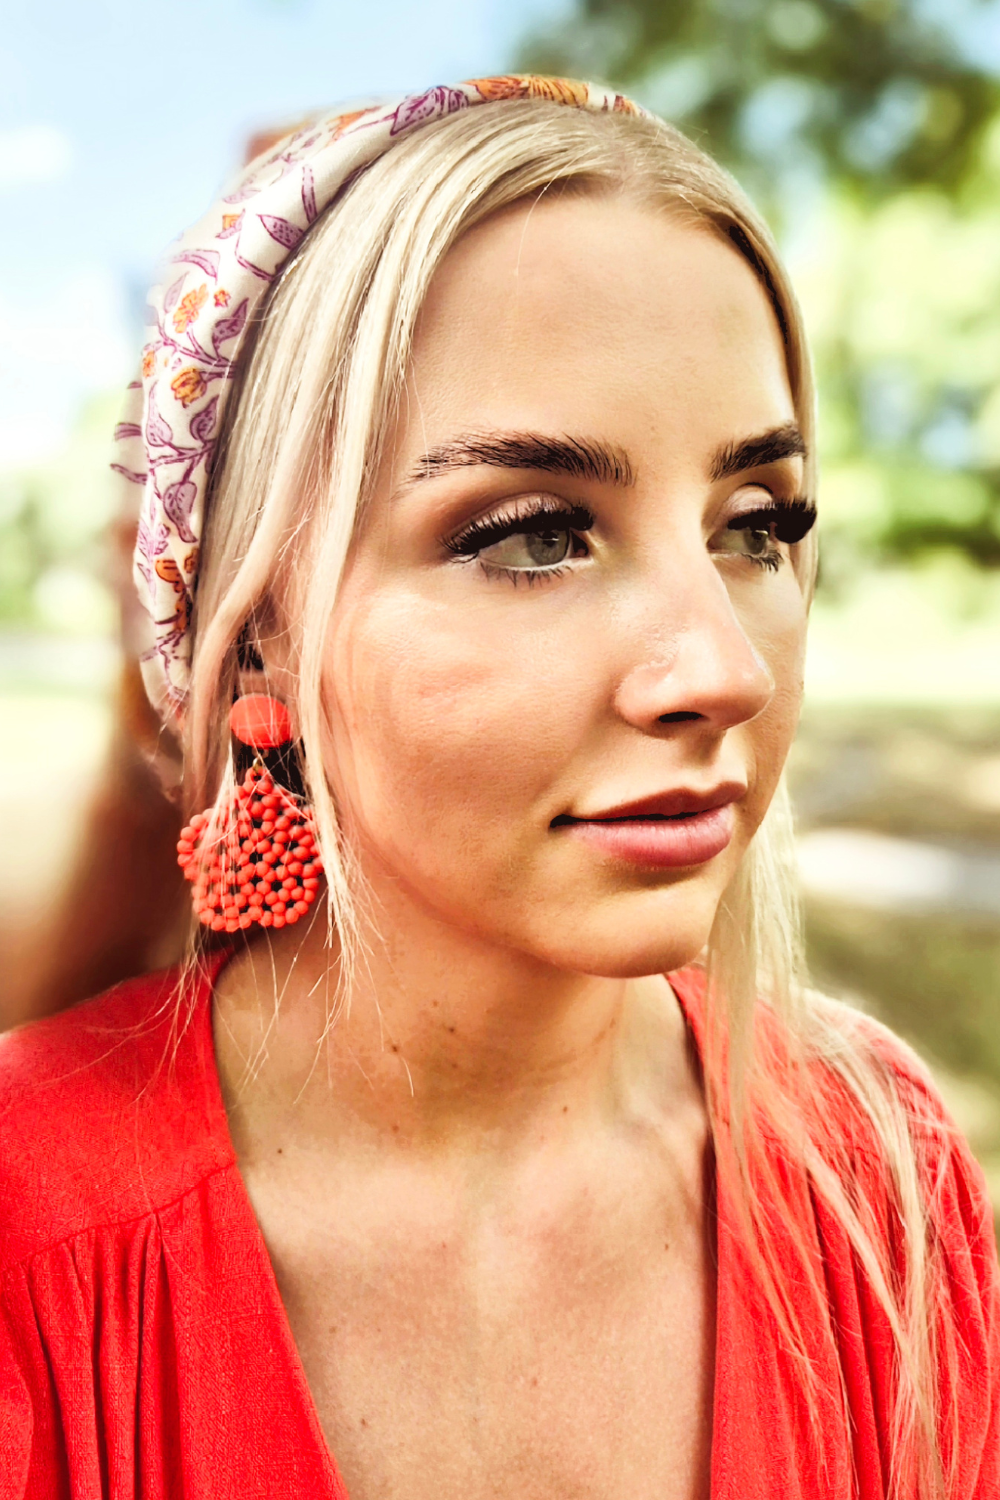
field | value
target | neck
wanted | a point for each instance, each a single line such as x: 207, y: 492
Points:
x: 440, y: 1040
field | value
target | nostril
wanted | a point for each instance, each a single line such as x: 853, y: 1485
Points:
x: 679, y: 718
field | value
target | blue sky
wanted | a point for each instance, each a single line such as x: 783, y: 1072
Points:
x: 119, y: 120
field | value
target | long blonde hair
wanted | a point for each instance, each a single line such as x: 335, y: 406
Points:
x: 317, y: 390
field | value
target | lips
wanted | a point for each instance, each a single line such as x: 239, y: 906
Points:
x: 670, y: 830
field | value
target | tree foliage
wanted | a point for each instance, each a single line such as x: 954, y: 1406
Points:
x: 880, y: 93
x: 869, y: 131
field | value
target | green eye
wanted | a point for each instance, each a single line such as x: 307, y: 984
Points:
x: 529, y: 549
x: 755, y: 543
x: 531, y: 537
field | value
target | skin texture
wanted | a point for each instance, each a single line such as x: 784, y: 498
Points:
x: 486, y: 1194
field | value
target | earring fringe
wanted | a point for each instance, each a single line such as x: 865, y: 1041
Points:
x: 259, y: 863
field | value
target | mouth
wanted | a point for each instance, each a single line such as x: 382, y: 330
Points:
x: 673, y: 830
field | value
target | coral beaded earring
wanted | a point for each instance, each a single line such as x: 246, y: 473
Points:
x: 254, y: 860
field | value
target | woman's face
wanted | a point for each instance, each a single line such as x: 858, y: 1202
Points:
x: 567, y: 659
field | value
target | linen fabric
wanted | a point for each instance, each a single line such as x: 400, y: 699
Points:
x: 215, y: 277
x: 144, y: 1349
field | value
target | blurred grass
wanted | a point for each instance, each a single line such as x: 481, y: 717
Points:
x: 933, y: 979
x: 930, y: 774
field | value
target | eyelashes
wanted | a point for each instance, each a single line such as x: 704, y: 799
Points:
x: 537, y: 519
x: 754, y: 535
x: 791, y: 520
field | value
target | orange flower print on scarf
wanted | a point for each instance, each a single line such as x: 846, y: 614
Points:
x: 218, y: 273
x: 189, y: 307
x: 528, y: 86
x: 341, y: 122
x: 168, y: 570
x: 189, y: 385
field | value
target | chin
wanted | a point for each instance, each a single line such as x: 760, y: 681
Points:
x: 634, y: 934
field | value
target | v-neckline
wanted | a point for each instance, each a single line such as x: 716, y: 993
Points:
x: 683, y: 988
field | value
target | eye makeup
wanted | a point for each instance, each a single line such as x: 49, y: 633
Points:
x: 539, y: 521
x: 786, y: 520
x: 541, y: 517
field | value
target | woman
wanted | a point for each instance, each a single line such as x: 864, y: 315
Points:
x: 521, y: 1163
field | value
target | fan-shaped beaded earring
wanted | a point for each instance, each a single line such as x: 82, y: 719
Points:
x: 255, y: 860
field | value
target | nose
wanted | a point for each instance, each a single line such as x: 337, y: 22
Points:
x: 703, y: 668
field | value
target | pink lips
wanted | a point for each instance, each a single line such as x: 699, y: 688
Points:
x: 667, y: 832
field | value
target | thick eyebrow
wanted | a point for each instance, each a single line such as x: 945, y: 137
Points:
x: 580, y: 458
x: 767, y: 448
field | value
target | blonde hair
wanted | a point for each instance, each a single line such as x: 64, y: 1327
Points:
x: 317, y: 390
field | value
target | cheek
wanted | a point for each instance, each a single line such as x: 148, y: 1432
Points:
x: 442, y: 720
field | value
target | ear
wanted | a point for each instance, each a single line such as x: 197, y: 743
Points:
x: 263, y: 657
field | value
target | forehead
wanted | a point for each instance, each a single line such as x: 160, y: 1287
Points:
x: 598, y: 315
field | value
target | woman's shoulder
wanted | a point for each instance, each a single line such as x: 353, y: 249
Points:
x: 864, y: 1096
x: 877, y: 1104
x: 860, y: 1059
x: 108, y: 1111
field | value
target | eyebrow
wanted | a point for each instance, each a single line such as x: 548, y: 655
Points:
x: 767, y: 448
x: 578, y: 457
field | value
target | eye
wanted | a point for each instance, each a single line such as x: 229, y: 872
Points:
x: 530, y: 549
x: 753, y: 542
x: 757, y: 535
x: 530, y: 538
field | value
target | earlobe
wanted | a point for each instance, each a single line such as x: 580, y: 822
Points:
x: 262, y: 657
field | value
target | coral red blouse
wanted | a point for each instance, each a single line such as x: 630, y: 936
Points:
x: 145, y: 1352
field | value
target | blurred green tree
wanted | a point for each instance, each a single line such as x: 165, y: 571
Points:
x: 880, y: 93
x: 869, y: 132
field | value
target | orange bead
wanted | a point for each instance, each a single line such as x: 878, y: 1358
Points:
x: 260, y: 721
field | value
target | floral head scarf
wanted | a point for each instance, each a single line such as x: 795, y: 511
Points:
x: 216, y: 275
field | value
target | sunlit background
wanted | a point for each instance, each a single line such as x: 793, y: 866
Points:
x: 868, y: 130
